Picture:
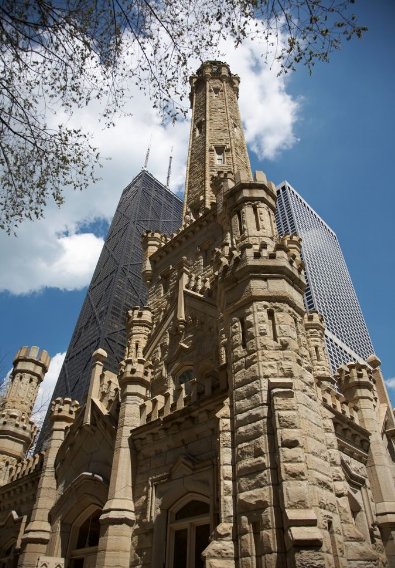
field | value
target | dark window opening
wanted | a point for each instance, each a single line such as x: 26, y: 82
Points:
x: 272, y: 324
x: 243, y: 333
x: 193, y: 508
x: 89, y: 532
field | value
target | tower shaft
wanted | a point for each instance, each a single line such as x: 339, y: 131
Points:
x: 217, y: 145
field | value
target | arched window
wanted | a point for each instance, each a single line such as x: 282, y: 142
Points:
x: 185, y: 376
x: 188, y: 533
x: 85, y: 541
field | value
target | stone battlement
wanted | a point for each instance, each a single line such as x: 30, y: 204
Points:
x: 32, y: 354
x: 64, y: 409
x: 27, y: 466
x: 16, y: 420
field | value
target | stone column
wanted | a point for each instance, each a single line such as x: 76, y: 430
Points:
x: 118, y: 517
x: 38, y: 531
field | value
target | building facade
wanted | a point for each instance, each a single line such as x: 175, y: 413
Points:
x: 329, y: 288
x: 116, y: 284
x: 224, y: 440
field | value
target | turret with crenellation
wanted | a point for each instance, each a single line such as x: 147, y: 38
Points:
x: 17, y: 430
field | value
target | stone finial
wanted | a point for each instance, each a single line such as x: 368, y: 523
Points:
x: 99, y: 356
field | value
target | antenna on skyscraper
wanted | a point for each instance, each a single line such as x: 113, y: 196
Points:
x: 169, y: 170
x: 147, y: 154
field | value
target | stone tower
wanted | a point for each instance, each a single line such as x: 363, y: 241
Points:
x: 17, y: 430
x: 224, y: 441
x: 217, y: 144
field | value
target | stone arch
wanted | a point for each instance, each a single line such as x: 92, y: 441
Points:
x: 181, y: 488
x: 188, y: 531
x: 85, y: 495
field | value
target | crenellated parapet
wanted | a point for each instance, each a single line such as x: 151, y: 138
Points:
x: 16, y: 425
x: 292, y: 244
x: 356, y: 382
x: 17, y: 430
x: 63, y: 412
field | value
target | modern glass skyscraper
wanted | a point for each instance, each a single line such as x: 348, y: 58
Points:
x: 117, y: 284
x: 329, y: 287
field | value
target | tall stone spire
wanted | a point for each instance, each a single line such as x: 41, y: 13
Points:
x: 217, y: 145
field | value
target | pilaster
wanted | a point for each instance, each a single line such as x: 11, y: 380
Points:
x: 37, y: 533
x: 118, y: 517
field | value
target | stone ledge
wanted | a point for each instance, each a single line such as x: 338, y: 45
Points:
x: 305, y: 536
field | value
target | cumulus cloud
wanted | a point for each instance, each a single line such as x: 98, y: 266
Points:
x: 390, y: 383
x: 65, y: 262
x: 59, y: 252
x: 268, y: 112
x: 44, y: 396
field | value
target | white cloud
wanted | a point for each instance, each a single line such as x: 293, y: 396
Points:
x: 390, y: 383
x: 44, y: 396
x: 46, y: 259
x: 268, y: 112
x: 52, y: 253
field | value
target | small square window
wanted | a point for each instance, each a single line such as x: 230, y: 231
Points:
x: 220, y: 156
x: 199, y: 129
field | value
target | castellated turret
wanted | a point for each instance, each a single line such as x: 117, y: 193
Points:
x: 17, y: 430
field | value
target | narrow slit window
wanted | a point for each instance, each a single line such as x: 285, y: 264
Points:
x: 239, y: 222
x: 199, y: 129
x: 272, y: 324
x: 243, y: 333
x: 257, y: 222
x: 317, y: 353
x: 219, y: 156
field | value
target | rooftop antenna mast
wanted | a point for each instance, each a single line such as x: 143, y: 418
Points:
x: 169, y: 170
x: 147, y: 154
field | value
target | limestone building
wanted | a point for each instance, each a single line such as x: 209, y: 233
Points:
x: 224, y: 440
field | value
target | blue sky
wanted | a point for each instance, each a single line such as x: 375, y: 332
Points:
x: 331, y: 135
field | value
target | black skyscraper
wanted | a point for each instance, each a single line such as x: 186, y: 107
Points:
x: 116, y: 284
